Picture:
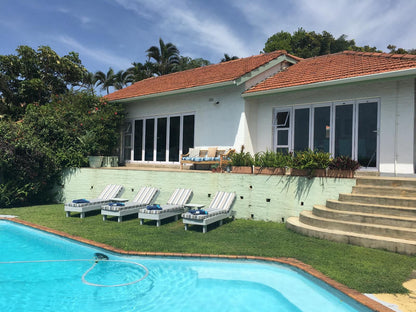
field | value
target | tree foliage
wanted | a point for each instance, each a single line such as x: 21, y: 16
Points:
x: 166, y: 56
x: 51, y: 137
x: 32, y: 76
x: 227, y: 58
x: 309, y: 44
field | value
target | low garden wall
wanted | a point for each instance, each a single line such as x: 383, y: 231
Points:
x: 259, y: 197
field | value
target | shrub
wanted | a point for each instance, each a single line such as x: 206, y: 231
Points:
x: 270, y: 159
x: 344, y: 163
x: 242, y: 158
x: 309, y: 159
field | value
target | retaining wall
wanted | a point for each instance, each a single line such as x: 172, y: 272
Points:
x: 259, y: 197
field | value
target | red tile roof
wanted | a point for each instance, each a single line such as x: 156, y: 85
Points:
x: 217, y: 73
x: 341, y: 65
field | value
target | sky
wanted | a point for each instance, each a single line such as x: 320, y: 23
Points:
x: 115, y: 33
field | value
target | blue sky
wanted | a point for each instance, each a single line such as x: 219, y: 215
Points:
x: 115, y: 33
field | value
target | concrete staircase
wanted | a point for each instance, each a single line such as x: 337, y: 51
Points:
x: 379, y: 213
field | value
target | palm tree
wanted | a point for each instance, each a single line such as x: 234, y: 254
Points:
x: 166, y: 57
x: 88, y: 81
x: 105, y: 80
x: 141, y: 71
x: 122, y: 79
x: 227, y: 58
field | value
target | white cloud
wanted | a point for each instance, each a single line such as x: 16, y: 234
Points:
x: 188, y: 24
x: 100, y: 56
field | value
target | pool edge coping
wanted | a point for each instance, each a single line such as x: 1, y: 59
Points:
x: 352, y: 293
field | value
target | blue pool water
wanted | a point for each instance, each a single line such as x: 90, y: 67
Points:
x: 171, y: 284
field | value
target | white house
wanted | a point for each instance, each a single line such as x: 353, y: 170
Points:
x: 350, y: 103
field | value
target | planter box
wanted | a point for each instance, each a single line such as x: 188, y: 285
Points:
x: 269, y: 171
x: 336, y: 173
x: 242, y: 169
x: 308, y: 172
x: 95, y: 161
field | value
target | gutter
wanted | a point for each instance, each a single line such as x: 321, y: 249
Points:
x: 175, y: 92
x: 385, y: 75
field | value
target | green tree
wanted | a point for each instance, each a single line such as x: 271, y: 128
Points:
x: 309, y: 44
x: 105, y: 80
x: 227, y: 58
x: 34, y: 75
x: 122, y: 79
x: 185, y: 63
x: 166, y: 57
x: 141, y: 71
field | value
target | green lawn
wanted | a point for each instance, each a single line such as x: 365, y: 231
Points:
x: 366, y: 270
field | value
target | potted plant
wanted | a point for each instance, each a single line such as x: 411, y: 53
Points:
x: 310, y: 163
x: 242, y: 162
x: 342, y: 167
x: 270, y: 162
x: 216, y: 168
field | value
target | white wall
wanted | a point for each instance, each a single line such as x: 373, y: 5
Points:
x: 221, y: 124
x: 397, y: 104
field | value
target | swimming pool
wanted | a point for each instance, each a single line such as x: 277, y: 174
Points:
x: 165, y: 284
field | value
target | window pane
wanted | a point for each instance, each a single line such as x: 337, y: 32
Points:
x: 127, y: 140
x: 343, y: 130
x: 138, y: 139
x: 188, y: 133
x: 282, y: 137
x: 321, y: 128
x: 149, y: 139
x: 174, y: 132
x: 282, y: 119
x: 301, y: 129
x: 161, y: 139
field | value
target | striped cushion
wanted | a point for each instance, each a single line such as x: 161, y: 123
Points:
x: 93, y: 202
x: 179, y: 197
x: 222, y: 201
x: 110, y: 191
x: 188, y: 215
x: 164, y: 209
x: 145, y: 195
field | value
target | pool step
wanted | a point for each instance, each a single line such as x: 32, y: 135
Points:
x: 379, y: 213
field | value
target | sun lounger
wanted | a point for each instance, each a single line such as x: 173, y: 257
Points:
x: 82, y: 206
x: 173, y: 208
x: 219, y: 209
x: 145, y: 196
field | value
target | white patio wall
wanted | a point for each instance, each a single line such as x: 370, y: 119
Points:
x: 397, y: 117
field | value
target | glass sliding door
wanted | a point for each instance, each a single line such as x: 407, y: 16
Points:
x: 301, y: 129
x: 161, y: 139
x: 138, y: 139
x: 367, y: 134
x: 174, y: 138
x: 188, y: 133
x: 127, y: 140
x: 149, y: 139
x: 322, y: 128
x: 344, y: 129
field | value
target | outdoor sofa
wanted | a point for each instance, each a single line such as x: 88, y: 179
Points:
x: 206, y: 156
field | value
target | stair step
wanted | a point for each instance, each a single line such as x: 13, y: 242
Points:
x: 372, y: 218
x: 381, y: 200
x: 365, y: 240
x: 371, y: 208
x: 384, y: 190
x: 387, y: 181
x: 308, y: 217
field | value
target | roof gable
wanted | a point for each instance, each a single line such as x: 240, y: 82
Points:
x: 203, y: 76
x: 331, y: 67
